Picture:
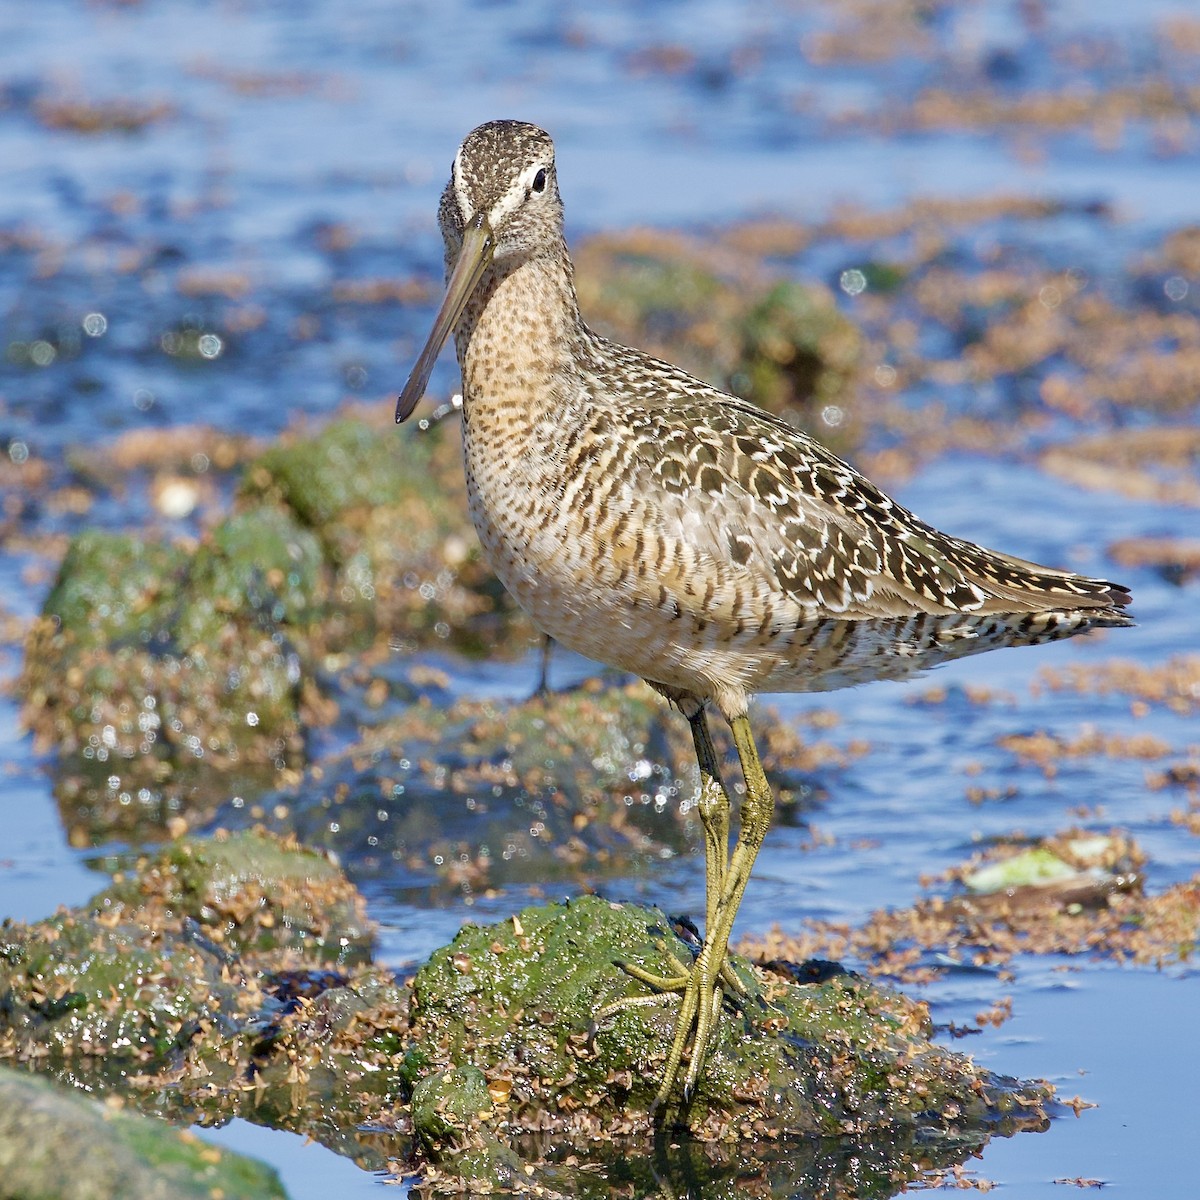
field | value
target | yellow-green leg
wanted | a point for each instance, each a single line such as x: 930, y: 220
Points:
x: 713, y: 807
x: 700, y: 1007
x: 701, y: 987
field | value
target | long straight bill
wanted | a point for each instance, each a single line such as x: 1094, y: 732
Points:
x: 473, y: 260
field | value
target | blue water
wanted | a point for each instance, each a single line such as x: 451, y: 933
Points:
x: 289, y: 118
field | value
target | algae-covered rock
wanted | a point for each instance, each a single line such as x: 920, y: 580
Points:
x: 134, y: 974
x: 391, y: 513
x: 800, y: 355
x: 534, y: 1003
x: 153, y: 664
x: 114, y: 590
x: 249, y: 891
x: 58, y: 1144
x: 343, y: 468
x: 445, y: 1104
x: 260, y: 560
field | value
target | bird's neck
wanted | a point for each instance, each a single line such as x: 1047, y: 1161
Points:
x: 519, y: 335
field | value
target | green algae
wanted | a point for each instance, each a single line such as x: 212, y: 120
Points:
x: 346, y: 466
x: 262, y: 561
x: 444, y: 1103
x: 72, y: 987
x: 449, y: 1111
x: 798, y: 353
x: 115, y: 589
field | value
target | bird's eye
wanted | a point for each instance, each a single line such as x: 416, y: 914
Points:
x: 539, y: 180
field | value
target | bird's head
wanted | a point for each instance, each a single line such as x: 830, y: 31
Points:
x: 500, y: 206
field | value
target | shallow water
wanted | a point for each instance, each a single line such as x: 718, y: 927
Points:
x: 287, y: 120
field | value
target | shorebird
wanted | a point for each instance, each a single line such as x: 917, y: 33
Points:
x: 656, y: 524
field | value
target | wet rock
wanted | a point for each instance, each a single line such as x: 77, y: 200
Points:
x: 246, y: 892
x: 57, y: 1144
x: 157, y: 664
x: 469, y: 795
x: 1173, y: 684
x: 524, y: 1002
x: 94, y: 117
x: 137, y: 973
x: 191, y: 451
x: 153, y: 664
x: 1177, y: 560
x: 259, y: 560
x: 220, y: 978
x: 1155, y: 465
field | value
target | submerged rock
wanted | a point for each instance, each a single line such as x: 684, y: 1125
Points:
x: 246, y: 892
x: 469, y: 795
x: 58, y: 1144
x: 580, y: 786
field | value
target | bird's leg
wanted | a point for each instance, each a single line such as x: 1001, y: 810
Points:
x: 702, y: 985
x: 543, y: 687
x: 700, y: 1007
x: 713, y: 807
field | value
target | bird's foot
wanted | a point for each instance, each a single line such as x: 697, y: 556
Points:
x: 695, y: 1028
x: 701, y: 987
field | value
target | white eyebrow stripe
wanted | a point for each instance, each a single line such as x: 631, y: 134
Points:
x: 515, y: 196
x: 459, y: 190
